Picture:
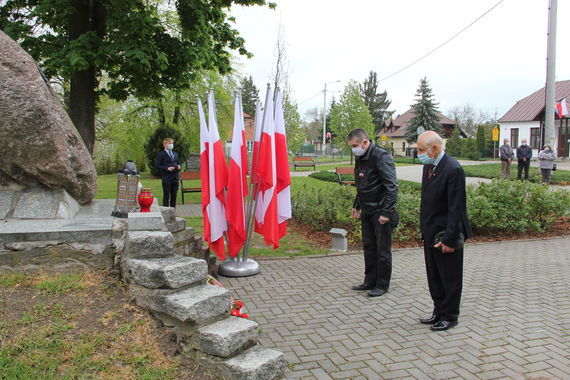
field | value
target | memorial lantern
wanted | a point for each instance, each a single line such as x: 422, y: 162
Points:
x: 127, y: 190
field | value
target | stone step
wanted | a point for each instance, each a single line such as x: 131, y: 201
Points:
x: 202, y: 304
x: 168, y: 213
x: 176, y: 225
x: 256, y: 363
x: 227, y: 337
x: 171, y: 272
x: 149, y: 244
x: 146, y: 221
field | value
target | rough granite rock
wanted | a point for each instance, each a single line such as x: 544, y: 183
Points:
x: 40, y: 144
x: 171, y: 272
x: 256, y: 363
x: 227, y: 337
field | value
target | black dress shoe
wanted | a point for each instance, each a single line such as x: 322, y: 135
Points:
x: 443, y: 325
x: 430, y: 321
x: 376, y: 292
x: 362, y: 287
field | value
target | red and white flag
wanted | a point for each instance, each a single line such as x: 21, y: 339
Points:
x: 266, y: 208
x: 204, y: 170
x: 562, y: 108
x: 258, y: 217
x: 218, y: 180
x: 237, y: 184
x: 282, y: 166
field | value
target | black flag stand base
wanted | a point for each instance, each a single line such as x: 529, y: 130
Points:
x: 239, y: 267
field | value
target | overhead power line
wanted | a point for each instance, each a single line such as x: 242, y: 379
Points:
x: 444, y: 43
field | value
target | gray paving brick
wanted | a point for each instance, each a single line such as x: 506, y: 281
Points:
x: 514, y: 318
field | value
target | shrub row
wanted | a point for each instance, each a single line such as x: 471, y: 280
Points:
x: 506, y: 206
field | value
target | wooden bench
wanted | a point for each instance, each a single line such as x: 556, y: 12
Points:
x: 188, y: 176
x: 303, y: 162
x: 344, y: 170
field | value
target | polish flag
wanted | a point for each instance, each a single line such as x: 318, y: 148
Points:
x: 237, y: 184
x: 218, y: 180
x: 204, y: 170
x: 562, y: 108
x: 258, y: 217
x: 282, y: 165
x: 266, y: 208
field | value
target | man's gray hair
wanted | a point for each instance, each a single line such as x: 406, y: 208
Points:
x: 357, y: 134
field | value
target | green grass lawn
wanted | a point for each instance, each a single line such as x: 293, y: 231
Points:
x: 494, y: 171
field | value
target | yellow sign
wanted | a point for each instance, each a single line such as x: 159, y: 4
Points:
x: 496, y: 134
x: 384, y: 137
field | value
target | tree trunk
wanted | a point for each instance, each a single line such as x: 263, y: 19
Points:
x: 176, y: 116
x: 88, y: 16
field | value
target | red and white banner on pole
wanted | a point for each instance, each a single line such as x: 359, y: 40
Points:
x: 237, y: 184
x: 217, y: 182
x: 282, y: 166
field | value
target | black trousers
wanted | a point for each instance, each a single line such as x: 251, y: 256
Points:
x: 377, y: 245
x: 445, y: 281
x: 523, y: 165
x: 169, y: 191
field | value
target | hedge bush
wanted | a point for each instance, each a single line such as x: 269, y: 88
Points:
x: 505, y: 206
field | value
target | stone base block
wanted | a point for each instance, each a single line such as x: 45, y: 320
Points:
x: 146, y: 221
x: 226, y: 338
x: 256, y: 363
x: 202, y: 304
x: 149, y: 244
x: 179, y: 224
x: 171, y: 272
x: 37, y: 203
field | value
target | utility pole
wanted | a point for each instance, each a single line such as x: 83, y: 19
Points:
x: 325, y: 117
x: 549, y: 132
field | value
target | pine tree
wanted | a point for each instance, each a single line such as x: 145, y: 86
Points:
x: 249, y: 95
x: 425, y: 113
x: 377, y: 103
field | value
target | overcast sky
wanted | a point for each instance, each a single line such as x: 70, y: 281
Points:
x: 494, y: 63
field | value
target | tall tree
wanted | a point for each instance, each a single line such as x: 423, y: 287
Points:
x: 143, y: 47
x: 425, y: 113
x: 249, y: 95
x: 377, y: 103
x: 348, y: 113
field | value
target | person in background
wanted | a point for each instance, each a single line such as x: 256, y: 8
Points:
x: 168, y: 162
x: 506, y: 154
x: 546, y: 161
x: 524, y: 154
x: 375, y: 206
x: 444, y: 227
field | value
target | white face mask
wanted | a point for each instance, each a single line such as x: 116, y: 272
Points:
x: 170, y: 146
x: 358, y: 151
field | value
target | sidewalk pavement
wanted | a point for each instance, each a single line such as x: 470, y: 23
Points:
x: 514, y: 321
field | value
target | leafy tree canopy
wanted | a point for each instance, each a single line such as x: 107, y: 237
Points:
x: 348, y: 113
x: 425, y: 113
x: 143, y: 47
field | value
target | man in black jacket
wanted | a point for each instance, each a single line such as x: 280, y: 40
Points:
x: 168, y: 162
x: 444, y: 227
x: 524, y: 154
x: 375, y: 205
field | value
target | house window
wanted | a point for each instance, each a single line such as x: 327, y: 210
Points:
x: 249, y: 146
x: 514, y: 137
x: 535, y: 138
x: 404, y: 147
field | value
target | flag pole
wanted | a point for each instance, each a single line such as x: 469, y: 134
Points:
x: 246, y: 266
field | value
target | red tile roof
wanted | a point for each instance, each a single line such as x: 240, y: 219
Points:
x: 531, y: 107
x: 397, y: 127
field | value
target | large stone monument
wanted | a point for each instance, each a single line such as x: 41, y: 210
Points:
x: 45, y: 168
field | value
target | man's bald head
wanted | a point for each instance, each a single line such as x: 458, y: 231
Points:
x: 428, y: 140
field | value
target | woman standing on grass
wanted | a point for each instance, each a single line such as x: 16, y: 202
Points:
x: 546, y: 159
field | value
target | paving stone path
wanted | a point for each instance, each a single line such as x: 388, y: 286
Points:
x: 515, y: 320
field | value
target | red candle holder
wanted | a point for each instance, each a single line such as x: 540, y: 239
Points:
x: 145, y: 199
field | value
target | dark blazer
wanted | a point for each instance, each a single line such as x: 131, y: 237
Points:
x: 163, y: 162
x: 444, y: 205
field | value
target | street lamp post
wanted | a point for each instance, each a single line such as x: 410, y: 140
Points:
x: 325, y: 116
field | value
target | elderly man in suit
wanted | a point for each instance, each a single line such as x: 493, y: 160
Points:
x: 168, y: 162
x: 444, y: 227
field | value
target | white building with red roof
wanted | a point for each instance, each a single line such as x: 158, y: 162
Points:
x: 525, y: 120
